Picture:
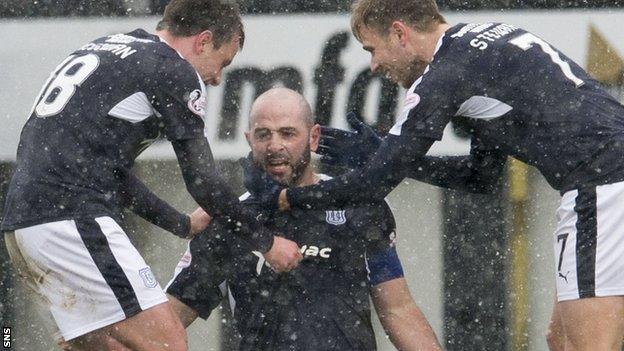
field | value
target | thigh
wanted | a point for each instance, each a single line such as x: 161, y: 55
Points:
x: 555, y: 336
x: 595, y: 323
x: 94, y: 341
x: 32, y: 275
x: 91, y: 275
x: 186, y: 314
x: 154, y: 329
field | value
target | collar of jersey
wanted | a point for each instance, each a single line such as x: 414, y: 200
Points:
x: 169, y: 45
x: 440, y: 48
x: 445, y: 40
x: 201, y: 83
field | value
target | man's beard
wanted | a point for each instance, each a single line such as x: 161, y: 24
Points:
x: 298, y: 166
x: 413, y: 71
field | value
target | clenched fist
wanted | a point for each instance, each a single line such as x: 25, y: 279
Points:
x: 284, y: 255
x: 199, y: 221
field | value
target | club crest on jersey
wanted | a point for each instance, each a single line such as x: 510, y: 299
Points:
x: 197, y: 102
x: 148, y: 278
x: 335, y: 217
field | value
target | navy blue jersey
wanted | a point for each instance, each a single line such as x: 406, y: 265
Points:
x: 99, y: 109
x: 519, y: 96
x: 321, y: 305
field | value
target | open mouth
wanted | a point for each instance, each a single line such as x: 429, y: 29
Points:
x: 277, y: 165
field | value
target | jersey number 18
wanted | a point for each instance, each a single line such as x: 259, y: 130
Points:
x: 61, y: 85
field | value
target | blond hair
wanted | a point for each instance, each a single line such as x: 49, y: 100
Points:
x: 422, y: 15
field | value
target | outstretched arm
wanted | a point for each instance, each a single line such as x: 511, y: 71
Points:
x: 390, y: 164
x: 393, y: 158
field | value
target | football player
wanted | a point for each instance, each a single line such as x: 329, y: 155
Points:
x: 518, y: 96
x: 349, y: 254
x: 103, y: 105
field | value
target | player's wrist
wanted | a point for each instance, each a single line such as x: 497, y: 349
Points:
x: 265, y: 241
x: 185, y: 227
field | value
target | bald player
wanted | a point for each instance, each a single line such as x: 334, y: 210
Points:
x: 349, y: 255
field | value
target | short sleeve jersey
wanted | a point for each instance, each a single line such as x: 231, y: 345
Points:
x: 321, y: 305
x: 99, y: 109
x: 518, y: 94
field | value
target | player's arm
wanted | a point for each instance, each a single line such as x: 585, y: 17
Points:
x: 401, y: 318
x: 428, y: 107
x: 422, y: 123
x: 178, y: 97
x: 214, y: 195
x: 398, y: 313
x: 479, y: 172
x: 388, y: 167
x: 142, y: 201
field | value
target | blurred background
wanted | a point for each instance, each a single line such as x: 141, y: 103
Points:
x: 480, y: 267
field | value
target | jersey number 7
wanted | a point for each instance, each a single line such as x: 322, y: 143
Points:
x: 527, y: 40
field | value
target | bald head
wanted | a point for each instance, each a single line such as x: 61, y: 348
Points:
x: 282, y: 135
x: 281, y: 102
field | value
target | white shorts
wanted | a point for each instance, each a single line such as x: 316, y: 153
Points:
x: 589, y: 243
x: 88, y: 272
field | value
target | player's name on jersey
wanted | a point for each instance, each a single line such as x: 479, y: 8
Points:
x: 120, y: 50
x: 489, y: 35
x: 116, y: 44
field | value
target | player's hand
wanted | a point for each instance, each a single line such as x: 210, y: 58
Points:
x: 284, y: 255
x: 343, y: 148
x: 199, y: 221
x: 260, y: 184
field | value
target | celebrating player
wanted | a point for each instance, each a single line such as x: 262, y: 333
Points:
x: 517, y: 96
x: 98, y: 110
x: 324, y: 303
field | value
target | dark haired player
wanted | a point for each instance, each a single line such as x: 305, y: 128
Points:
x: 103, y: 105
